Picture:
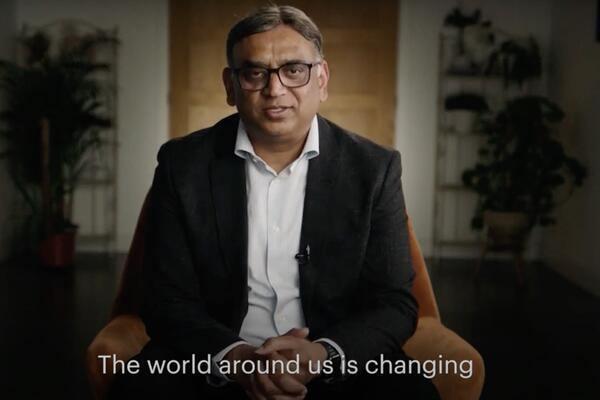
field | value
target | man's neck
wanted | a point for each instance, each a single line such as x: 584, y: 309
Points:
x: 278, y: 154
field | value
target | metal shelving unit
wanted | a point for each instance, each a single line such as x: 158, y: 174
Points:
x: 457, y: 150
x: 451, y: 197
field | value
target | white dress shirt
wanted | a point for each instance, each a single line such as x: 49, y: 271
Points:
x: 275, y: 209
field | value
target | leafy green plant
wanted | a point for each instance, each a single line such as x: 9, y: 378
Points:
x: 58, y: 89
x: 522, y: 164
x: 516, y: 61
x: 461, y: 21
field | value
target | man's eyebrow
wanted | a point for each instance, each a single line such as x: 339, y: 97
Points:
x: 295, y: 61
x: 251, y: 63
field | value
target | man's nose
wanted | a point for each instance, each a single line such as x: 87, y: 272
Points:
x: 274, y: 86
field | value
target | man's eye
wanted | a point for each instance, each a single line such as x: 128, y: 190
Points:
x: 254, y: 73
x: 293, y: 69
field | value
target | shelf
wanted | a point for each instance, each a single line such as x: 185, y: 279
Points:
x: 450, y: 132
x: 453, y: 187
x: 90, y: 182
x: 94, y: 237
x: 455, y: 75
x: 464, y: 243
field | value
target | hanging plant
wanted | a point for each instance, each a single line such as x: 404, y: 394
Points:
x: 515, y: 61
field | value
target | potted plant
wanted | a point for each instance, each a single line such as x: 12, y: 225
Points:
x: 521, y: 168
x: 516, y: 61
x: 465, y: 109
x: 462, y: 62
x: 51, y: 118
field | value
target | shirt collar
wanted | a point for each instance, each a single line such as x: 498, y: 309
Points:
x: 245, y: 150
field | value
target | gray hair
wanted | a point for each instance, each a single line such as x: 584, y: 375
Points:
x: 268, y: 17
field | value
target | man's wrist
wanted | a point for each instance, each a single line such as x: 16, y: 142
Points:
x: 239, y: 352
x: 216, y: 377
x: 321, y: 352
x: 335, y: 359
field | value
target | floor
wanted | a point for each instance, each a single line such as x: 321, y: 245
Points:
x: 538, y: 342
x: 48, y: 319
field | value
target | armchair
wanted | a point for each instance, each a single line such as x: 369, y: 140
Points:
x: 125, y: 334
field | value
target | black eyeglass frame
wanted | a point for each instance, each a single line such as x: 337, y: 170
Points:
x: 276, y: 71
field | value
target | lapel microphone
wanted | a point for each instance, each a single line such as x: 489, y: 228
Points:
x: 303, y: 256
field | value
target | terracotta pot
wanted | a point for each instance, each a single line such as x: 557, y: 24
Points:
x: 58, y: 250
x: 507, y: 228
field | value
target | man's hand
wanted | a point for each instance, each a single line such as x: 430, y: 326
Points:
x: 261, y: 386
x: 290, y: 345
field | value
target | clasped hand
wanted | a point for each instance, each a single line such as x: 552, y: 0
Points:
x: 279, y: 385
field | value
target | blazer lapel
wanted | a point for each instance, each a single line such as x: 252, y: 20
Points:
x: 320, y: 181
x: 228, y: 186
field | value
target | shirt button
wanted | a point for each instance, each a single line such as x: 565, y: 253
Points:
x: 282, y: 319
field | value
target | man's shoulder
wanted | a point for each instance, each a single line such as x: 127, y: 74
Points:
x: 355, y: 146
x: 204, y: 140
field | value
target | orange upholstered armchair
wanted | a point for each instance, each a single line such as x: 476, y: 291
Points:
x: 125, y: 334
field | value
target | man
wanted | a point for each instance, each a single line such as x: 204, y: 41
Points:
x: 276, y: 235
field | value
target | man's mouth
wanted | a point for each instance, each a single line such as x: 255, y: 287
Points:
x: 275, y: 112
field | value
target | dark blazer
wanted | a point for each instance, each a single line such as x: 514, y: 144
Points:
x: 355, y: 289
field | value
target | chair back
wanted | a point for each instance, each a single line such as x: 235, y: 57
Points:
x: 422, y: 289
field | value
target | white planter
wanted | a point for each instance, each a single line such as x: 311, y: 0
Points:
x: 463, y: 121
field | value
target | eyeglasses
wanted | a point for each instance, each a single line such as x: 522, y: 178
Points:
x: 292, y: 75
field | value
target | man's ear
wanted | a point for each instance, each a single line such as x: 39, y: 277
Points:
x: 228, y: 83
x: 323, y: 80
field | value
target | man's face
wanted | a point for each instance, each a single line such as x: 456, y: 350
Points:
x: 277, y: 111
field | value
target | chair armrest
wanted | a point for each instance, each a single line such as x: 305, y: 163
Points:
x: 432, y: 339
x: 124, y: 336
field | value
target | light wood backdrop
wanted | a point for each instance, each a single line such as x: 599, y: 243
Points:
x: 359, y: 45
